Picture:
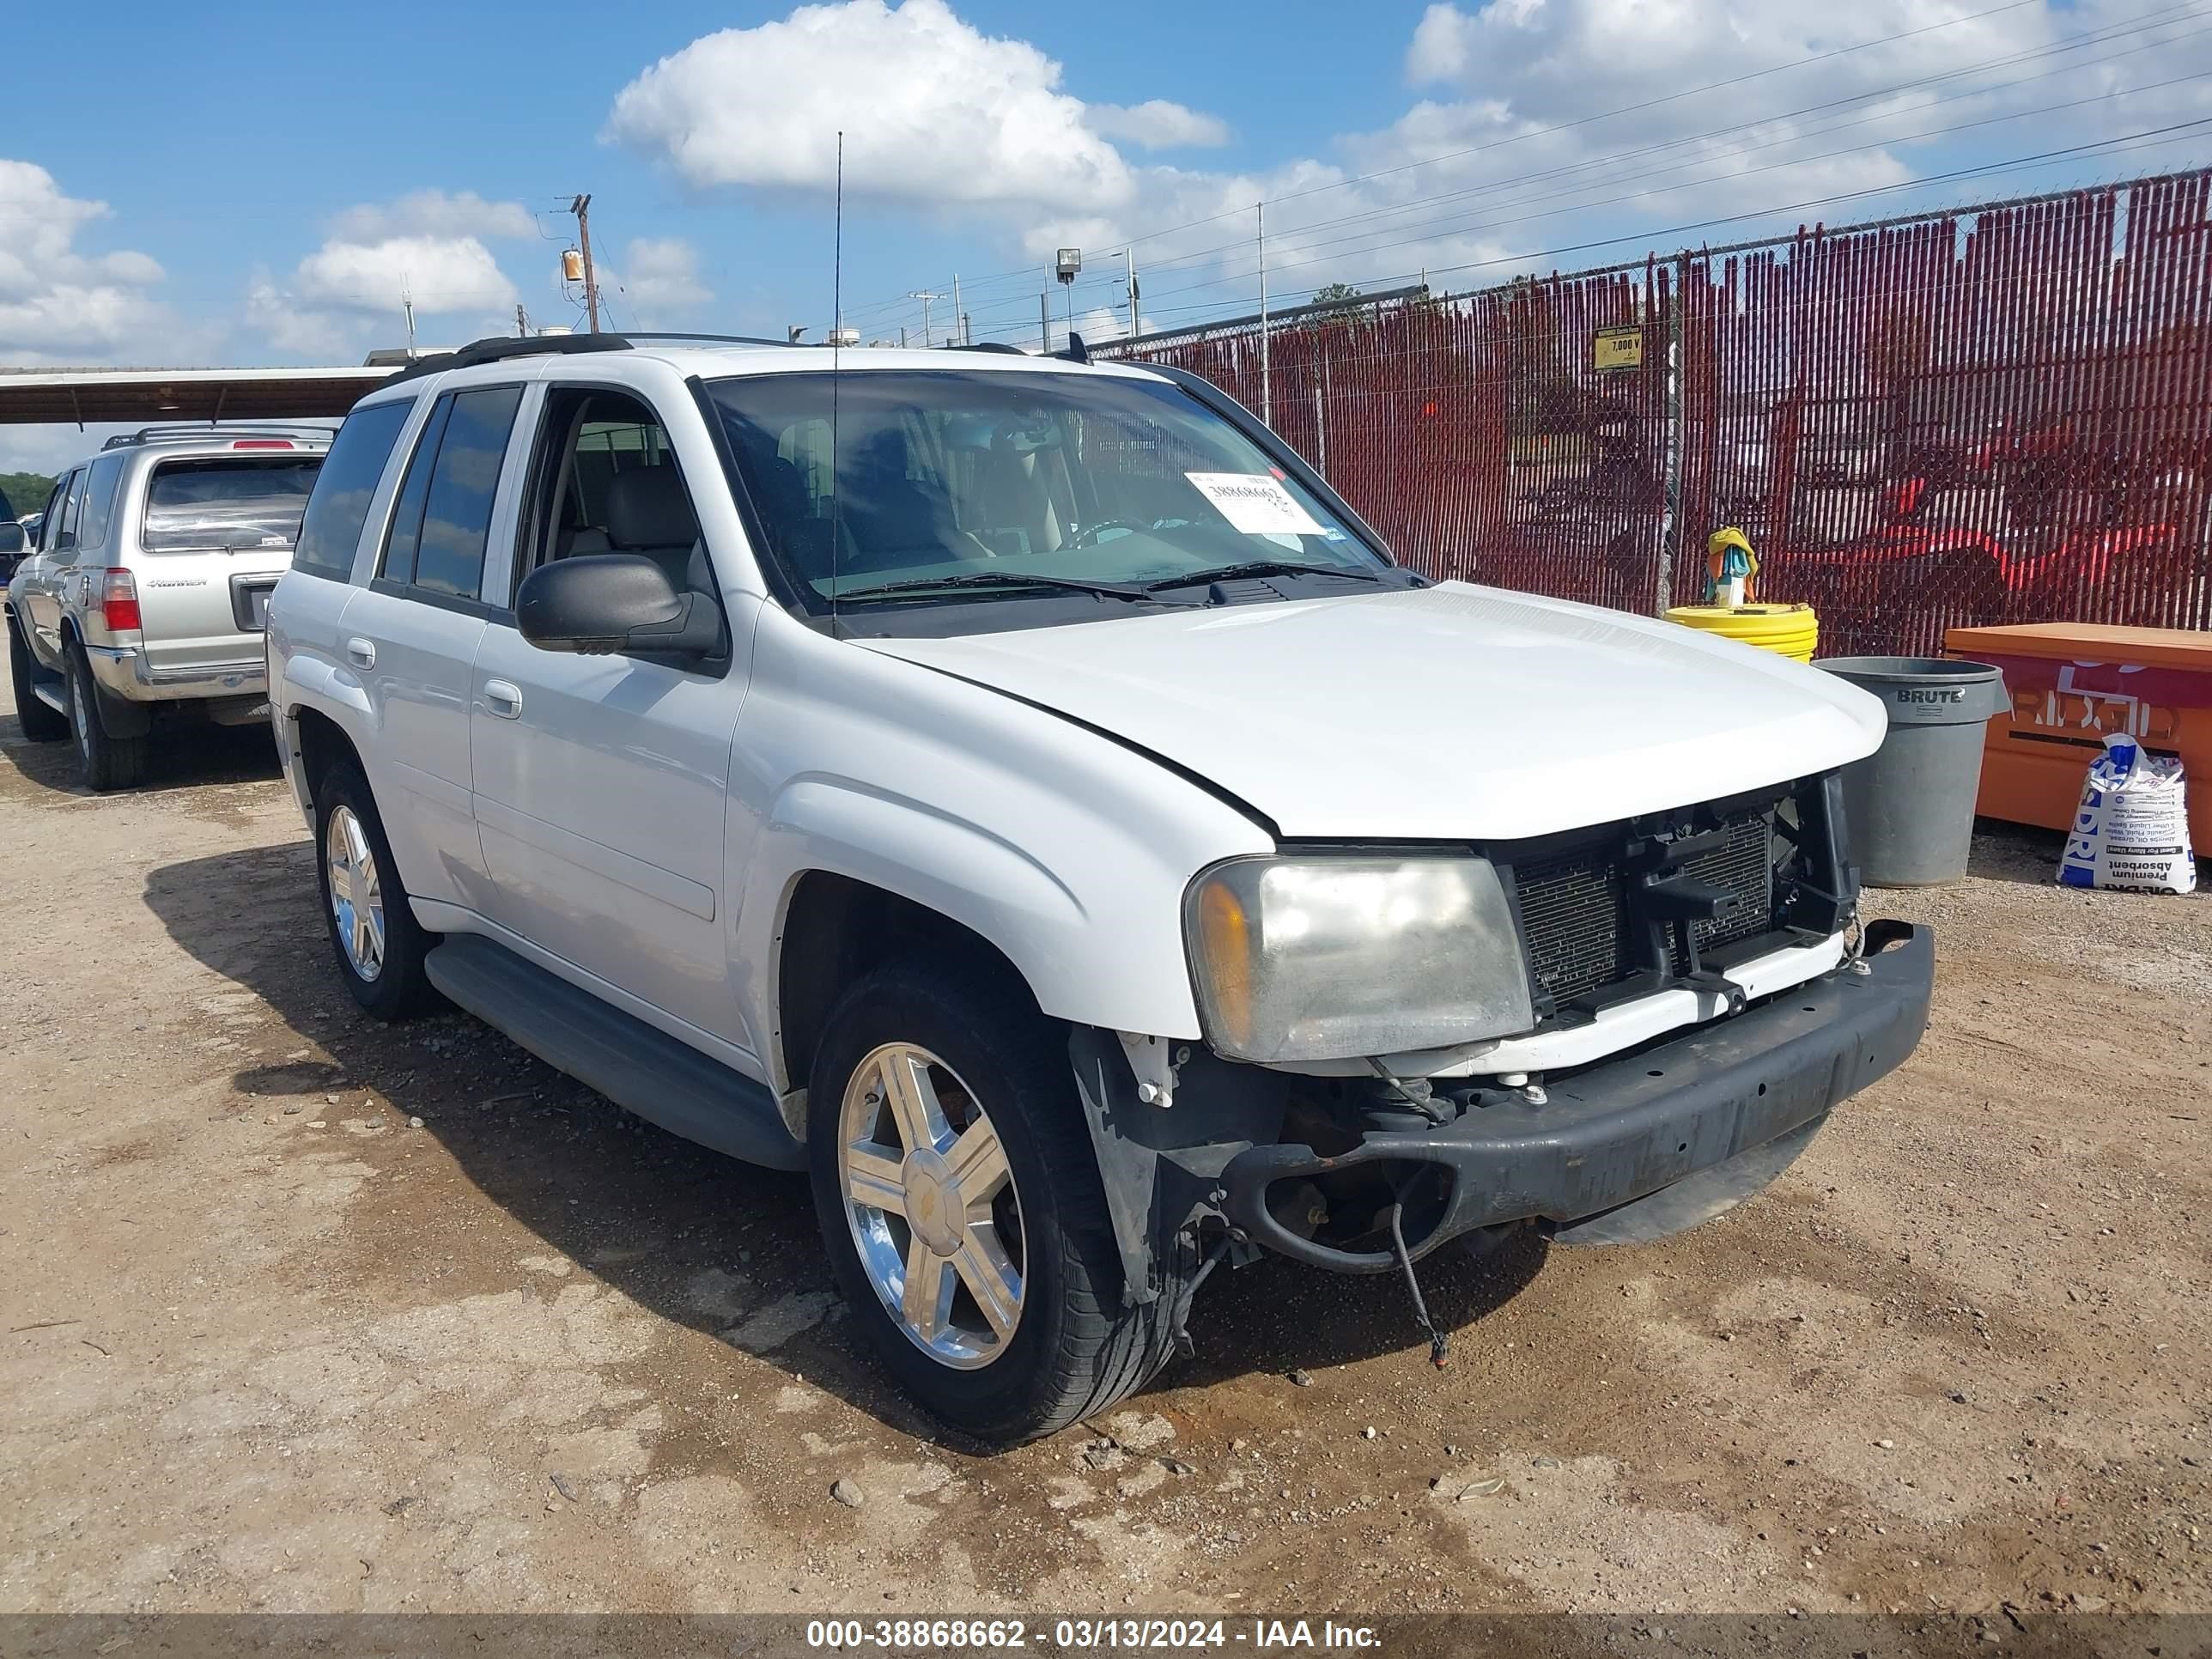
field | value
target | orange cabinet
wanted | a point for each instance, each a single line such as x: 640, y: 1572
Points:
x: 2070, y: 685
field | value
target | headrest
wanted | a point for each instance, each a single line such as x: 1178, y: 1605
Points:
x: 647, y: 508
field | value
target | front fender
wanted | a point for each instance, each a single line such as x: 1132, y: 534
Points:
x: 1083, y: 957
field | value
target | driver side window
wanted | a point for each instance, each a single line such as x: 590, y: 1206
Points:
x: 62, y: 516
x: 606, y: 480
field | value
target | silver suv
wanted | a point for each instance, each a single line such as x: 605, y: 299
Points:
x: 146, y: 596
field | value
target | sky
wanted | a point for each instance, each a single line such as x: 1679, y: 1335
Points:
x: 263, y: 184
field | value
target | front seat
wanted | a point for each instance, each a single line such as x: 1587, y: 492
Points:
x: 894, y: 522
x: 649, y: 513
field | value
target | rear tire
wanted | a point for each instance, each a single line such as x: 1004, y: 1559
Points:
x: 40, y: 724
x: 989, y: 1059
x: 108, y: 762
x: 379, y: 944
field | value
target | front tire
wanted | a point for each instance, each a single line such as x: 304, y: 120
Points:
x: 107, y: 762
x: 39, y: 723
x: 961, y: 1201
x: 379, y: 944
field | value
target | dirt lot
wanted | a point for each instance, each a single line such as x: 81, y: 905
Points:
x: 300, y: 1313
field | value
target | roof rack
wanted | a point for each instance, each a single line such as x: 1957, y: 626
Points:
x: 500, y: 348
x: 713, y: 339
x: 992, y: 345
x: 180, y: 433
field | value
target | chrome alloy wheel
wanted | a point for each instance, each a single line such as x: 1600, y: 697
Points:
x: 356, y: 893
x: 932, y: 1205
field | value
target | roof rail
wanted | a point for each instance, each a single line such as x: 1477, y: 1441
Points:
x: 713, y: 339
x: 992, y: 345
x: 180, y: 433
x: 500, y: 348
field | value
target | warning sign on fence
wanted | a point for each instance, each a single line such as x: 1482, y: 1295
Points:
x: 1617, y: 347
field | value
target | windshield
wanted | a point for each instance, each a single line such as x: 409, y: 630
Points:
x: 984, y: 478
x: 192, y: 505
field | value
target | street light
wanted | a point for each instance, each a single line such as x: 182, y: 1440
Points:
x: 1065, y: 266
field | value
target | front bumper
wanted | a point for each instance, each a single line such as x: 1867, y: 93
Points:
x: 123, y: 671
x: 1704, y: 1105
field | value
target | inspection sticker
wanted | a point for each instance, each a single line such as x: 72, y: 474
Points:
x: 1255, y: 503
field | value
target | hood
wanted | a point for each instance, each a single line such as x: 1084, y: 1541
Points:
x: 1450, y: 712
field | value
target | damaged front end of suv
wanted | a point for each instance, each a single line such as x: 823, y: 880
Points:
x: 1612, y: 1034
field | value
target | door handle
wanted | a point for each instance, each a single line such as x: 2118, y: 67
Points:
x: 503, y: 698
x: 360, y: 654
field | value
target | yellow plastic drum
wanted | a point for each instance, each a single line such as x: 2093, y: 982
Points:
x: 1790, y: 630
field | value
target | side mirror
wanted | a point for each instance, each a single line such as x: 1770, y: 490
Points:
x: 12, y: 539
x: 599, y: 604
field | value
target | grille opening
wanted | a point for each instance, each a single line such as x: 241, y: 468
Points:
x: 1576, y: 921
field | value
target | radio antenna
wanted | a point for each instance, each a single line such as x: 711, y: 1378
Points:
x: 836, y: 350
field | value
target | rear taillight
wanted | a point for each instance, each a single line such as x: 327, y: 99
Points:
x: 118, y: 603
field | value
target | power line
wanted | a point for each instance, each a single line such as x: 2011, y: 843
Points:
x: 1429, y: 228
x: 2117, y: 146
x: 2065, y: 44
x: 1564, y: 126
x: 1608, y: 162
x: 1435, y: 229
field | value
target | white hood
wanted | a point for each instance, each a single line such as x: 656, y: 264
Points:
x: 1448, y: 713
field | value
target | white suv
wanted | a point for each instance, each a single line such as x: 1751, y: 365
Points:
x: 1023, y: 795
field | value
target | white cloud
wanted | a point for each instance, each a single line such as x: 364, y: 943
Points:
x: 57, y: 303
x: 1158, y: 125
x: 439, y: 273
x: 434, y: 212
x: 660, y: 277
x: 932, y: 111
x: 428, y: 247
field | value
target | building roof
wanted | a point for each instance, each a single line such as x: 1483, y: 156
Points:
x: 144, y: 396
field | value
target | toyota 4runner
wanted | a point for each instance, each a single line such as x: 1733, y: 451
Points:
x: 143, y: 604
x: 1023, y: 796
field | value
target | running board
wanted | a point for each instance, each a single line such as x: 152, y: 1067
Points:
x: 52, y: 695
x: 646, y: 1071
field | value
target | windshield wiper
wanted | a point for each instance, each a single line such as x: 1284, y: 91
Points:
x: 1228, y: 572
x: 997, y: 579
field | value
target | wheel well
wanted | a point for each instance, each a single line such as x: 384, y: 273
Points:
x: 835, y: 929
x: 323, y: 744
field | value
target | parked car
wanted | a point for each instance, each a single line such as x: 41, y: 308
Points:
x: 142, y: 606
x: 1023, y: 796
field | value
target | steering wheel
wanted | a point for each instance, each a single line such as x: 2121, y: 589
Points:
x: 1088, y: 536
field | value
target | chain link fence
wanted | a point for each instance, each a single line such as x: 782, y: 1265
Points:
x: 1996, y: 415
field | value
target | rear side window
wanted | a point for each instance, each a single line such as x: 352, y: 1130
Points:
x: 443, y: 521
x: 200, y: 506
x: 338, y: 509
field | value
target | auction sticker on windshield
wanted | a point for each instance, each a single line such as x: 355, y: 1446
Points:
x: 1255, y: 503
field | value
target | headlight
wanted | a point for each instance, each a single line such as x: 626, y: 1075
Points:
x: 1335, y: 958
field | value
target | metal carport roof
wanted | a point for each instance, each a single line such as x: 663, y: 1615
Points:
x: 81, y: 396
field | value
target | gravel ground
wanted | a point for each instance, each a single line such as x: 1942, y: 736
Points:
x: 297, y: 1312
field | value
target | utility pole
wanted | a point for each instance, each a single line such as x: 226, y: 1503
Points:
x: 1267, y: 397
x: 959, y: 317
x: 521, y: 322
x: 581, y: 207
x: 1044, y: 321
x: 1129, y: 264
x: 407, y: 305
x: 925, y: 297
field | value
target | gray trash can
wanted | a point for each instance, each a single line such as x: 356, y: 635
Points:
x: 1911, y: 804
